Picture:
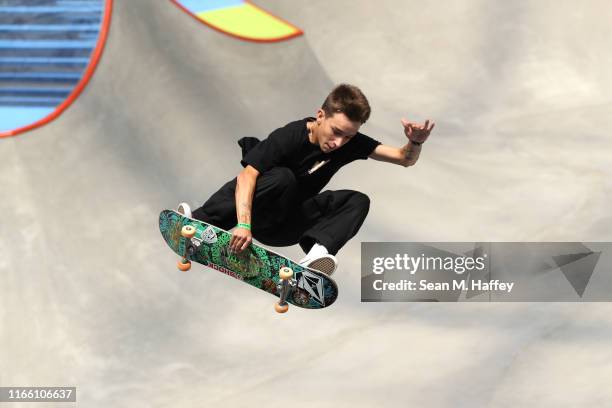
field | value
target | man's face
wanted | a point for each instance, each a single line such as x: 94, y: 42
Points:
x: 334, y: 131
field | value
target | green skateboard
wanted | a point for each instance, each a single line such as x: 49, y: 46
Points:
x: 208, y: 245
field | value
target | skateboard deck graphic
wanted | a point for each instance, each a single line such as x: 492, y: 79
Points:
x: 255, y: 265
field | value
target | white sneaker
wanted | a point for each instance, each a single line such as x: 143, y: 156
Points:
x: 183, y: 208
x: 324, y: 263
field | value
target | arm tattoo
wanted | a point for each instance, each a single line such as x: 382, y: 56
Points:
x: 245, y: 212
x: 412, y: 152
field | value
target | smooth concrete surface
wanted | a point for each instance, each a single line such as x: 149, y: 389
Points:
x: 89, y: 293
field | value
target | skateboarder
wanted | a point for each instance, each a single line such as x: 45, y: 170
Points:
x: 277, y: 197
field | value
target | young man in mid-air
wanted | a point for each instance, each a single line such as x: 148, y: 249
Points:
x: 277, y: 197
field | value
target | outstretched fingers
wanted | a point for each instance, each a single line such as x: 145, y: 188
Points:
x: 235, y: 243
x: 239, y: 242
x: 246, y: 244
x: 426, y: 127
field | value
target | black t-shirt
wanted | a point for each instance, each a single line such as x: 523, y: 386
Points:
x: 289, y: 147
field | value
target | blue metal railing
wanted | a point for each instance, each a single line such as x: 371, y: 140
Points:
x: 96, y: 10
x: 49, y: 28
x: 59, y: 44
x: 44, y: 48
x: 30, y: 101
x: 43, y: 60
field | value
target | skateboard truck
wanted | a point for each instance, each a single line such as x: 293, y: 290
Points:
x: 285, y: 287
x: 188, y: 232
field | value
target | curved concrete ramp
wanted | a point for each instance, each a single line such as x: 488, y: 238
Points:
x: 90, y: 296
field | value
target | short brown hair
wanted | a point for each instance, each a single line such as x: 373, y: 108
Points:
x: 349, y: 100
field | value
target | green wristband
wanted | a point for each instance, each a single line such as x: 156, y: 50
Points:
x: 243, y: 225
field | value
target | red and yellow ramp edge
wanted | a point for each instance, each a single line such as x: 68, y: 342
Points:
x: 244, y: 21
x: 86, y: 76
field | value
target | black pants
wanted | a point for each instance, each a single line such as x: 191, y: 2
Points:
x: 279, y: 218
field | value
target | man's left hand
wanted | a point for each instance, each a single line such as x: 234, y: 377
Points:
x: 417, y: 133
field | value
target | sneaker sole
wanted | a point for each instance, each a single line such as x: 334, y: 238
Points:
x: 184, y: 209
x: 325, y: 265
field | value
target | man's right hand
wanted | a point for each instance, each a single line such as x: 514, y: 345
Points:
x: 241, y: 239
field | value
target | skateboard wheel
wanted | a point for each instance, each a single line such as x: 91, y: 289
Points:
x: 184, y: 265
x: 188, y: 231
x: 281, y: 308
x: 285, y: 273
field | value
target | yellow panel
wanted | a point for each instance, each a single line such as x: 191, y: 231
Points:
x: 248, y: 21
